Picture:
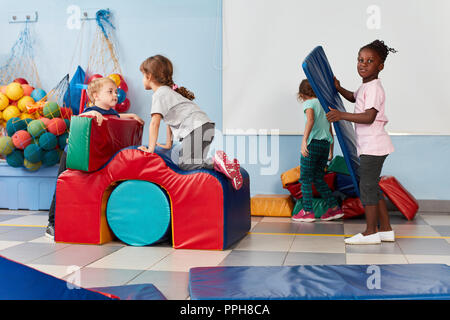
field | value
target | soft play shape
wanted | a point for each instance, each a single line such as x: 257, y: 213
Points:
x: 291, y: 176
x: 133, y: 292
x: 295, y: 189
x: 321, y: 78
x: 73, y: 93
x: 345, y: 185
x: 352, y: 207
x: 272, y: 205
x: 146, y: 219
x: 100, y: 142
x: 321, y: 282
x: 20, y: 282
x: 399, y: 196
x: 320, y: 207
x: 338, y: 165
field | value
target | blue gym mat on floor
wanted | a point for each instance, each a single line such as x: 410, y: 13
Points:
x: 134, y: 292
x: 320, y: 76
x: 321, y: 282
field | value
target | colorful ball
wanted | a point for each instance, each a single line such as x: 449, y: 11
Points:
x: 27, y: 89
x: 123, y: 85
x: 4, y: 101
x: 115, y: 77
x: 36, y: 128
x: 25, y: 115
x: 67, y: 124
x: 51, y: 110
x: 24, y: 102
x: 15, y: 159
x: 15, y: 124
x: 33, y: 153
x: 3, y: 89
x: 45, y: 120
x: 62, y: 140
x: 57, y: 126
x: 48, y: 141
x: 21, y: 81
x: 38, y: 94
x: 14, y: 91
x: 123, y: 107
x: 6, y: 145
x: 32, y: 166
x: 11, y: 112
x: 121, y: 96
x: 21, y: 139
x: 50, y: 158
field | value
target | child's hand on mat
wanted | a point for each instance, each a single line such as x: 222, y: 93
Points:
x: 98, y: 116
x: 334, y: 115
x: 305, y: 152
x: 145, y: 149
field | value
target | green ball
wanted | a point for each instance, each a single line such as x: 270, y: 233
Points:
x: 31, y: 166
x: 33, y: 153
x: 15, y: 124
x: 52, y: 110
x: 36, y: 128
x: 48, y: 141
x: 6, y: 145
x: 15, y: 158
x: 50, y: 158
x: 62, y: 140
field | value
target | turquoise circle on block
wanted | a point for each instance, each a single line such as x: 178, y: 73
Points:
x: 138, y: 212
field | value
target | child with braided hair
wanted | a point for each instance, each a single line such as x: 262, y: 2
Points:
x: 373, y: 142
x: 185, y: 121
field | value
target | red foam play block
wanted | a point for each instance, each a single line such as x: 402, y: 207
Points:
x: 399, y: 196
x: 352, y: 207
x: 296, y: 188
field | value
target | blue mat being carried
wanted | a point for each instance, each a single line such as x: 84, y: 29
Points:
x: 320, y: 282
x: 320, y: 76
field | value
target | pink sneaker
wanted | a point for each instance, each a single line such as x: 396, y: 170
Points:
x: 230, y: 169
x: 332, y: 214
x: 302, y: 216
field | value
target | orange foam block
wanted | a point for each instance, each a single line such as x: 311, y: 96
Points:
x: 271, y: 205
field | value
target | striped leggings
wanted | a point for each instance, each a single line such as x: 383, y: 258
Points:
x: 312, y: 170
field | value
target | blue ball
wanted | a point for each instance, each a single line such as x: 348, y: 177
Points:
x: 48, y: 141
x: 38, y: 94
x: 62, y: 140
x: 15, y: 158
x: 33, y: 153
x: 15, y: 124
x: 50, y: 158
x: 121, y: 95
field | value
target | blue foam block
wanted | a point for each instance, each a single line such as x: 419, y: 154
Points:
x: 134, y: 292
x: 19, y: 282
x: 320, y: 76
x: 321, y: 282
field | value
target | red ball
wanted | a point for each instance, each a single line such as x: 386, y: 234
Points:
x: 66, y: 113
x: 123, y: 85
x: 45, y: 120
x: 95, y: 76
x: 21, y: 81
x: 123, y: 107
x: 21, y: 139
x: 57, y: 126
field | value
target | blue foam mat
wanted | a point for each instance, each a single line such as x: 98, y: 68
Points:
x: 318, y: 71
x: 321, y: 282
x: 134, y: 292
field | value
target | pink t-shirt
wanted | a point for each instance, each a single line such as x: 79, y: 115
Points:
x: 372, y: 139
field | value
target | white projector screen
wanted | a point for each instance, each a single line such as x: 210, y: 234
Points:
x: 265, y: 42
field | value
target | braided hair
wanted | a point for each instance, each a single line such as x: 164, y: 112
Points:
x: 161, y: 69
x: 380, y: 48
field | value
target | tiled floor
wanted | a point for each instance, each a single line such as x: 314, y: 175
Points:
x: 272, y: 241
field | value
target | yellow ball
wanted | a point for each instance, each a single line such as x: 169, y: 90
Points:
x: 10, y: 112
x: 115, y: 77
x: 24, y: 102
x: 31, y: 166
x: 14, y: 91
x: 4, y: 102
x: 1, y: 115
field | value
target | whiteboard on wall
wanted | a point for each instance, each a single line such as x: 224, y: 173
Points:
x: 265, y: 42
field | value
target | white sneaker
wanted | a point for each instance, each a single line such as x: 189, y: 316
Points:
x: 387, y: 236
x: 361, y: 239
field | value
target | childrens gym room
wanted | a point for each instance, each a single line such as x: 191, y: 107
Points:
x: 231, y: 150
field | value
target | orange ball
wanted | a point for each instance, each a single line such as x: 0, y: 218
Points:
x: 27, y: 89
x: 57, y: 126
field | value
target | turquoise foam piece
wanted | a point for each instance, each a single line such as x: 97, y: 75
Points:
x: 138, y: 212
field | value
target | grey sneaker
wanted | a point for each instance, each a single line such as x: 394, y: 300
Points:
x: 50, y: 232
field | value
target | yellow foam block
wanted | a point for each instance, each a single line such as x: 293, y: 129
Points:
x: 272, y: 205
x: 290, y: 176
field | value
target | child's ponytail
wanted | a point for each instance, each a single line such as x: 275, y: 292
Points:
x: 162, y: 70
x: 381, y: 48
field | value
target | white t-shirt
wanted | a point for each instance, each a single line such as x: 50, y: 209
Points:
x: 181, y: 114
